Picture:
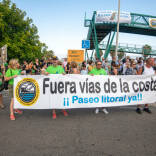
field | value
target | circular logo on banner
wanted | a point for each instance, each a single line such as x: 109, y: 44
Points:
x: 27, y: 91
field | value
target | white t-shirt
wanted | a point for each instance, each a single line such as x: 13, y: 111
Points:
x: 148, y: 71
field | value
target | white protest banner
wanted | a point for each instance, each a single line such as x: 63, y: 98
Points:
x: 111, y: 16
x: 83, y: 91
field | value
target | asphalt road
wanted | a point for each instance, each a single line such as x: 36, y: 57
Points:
x: 120, y: 133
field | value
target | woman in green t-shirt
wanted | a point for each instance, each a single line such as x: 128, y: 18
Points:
x: 10, y: 74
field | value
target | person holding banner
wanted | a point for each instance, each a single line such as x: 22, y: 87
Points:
x: 55, y: 69
x: 147, y: 69
x: 10, y: 74
x: 98, y: 70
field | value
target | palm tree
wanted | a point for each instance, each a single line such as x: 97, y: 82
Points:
x: 112, y: 51
x: 120, y: 53
x: 146, y: 50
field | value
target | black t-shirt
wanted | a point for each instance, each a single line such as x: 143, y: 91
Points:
x: 38, y: 68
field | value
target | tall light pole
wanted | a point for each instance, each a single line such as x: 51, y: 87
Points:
x: 117, y: 35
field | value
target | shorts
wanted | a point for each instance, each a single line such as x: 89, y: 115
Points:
x: 10, y: 87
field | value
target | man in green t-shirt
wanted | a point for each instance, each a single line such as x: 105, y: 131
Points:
x: 55, y: 69
x: 98, y: 70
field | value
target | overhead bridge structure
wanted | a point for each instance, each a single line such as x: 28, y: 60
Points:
x: 98, y: 31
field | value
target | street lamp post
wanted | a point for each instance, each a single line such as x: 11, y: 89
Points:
x: 117, y: 35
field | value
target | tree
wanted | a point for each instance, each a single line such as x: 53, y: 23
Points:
x: 112, y: 51
x: 146, y: 50
x: 120, y: 52
x: 19, y: 33
x: 48, y: 54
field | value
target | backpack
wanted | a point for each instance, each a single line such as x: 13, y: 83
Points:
x: 6, y: 83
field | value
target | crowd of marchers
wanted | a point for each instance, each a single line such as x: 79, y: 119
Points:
x: 126, y: 66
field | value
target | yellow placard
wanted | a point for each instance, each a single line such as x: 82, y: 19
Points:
x: 76, y: 56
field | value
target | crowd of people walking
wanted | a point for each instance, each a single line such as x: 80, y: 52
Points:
x: 126, y: 66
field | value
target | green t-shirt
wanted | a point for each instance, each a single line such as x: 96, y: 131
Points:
x: 33, y: 71
x: 96, y: 71
x: 55, y: 70
x: 12, y: 72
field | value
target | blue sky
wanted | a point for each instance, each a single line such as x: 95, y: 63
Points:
x: 60, y: 23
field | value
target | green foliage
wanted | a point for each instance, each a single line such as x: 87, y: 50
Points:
x: 120, y: 52
x: 112, y: 51
x: 146, y: 50
x: 19, y: 33
x: 48, y: 54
